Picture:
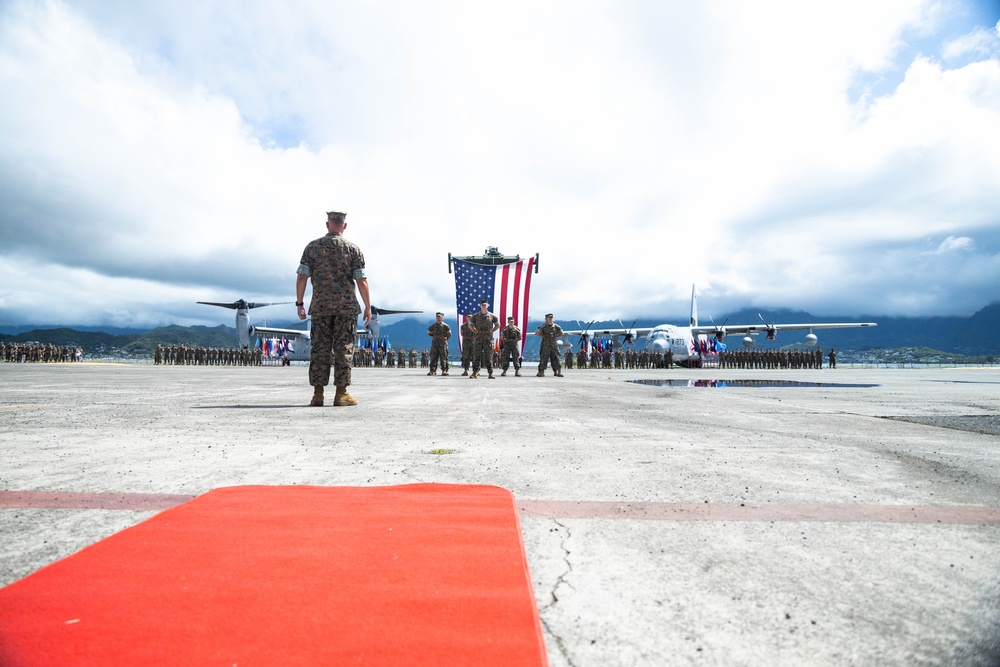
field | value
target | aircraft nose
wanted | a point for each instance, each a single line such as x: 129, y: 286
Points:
x: 658, y: 345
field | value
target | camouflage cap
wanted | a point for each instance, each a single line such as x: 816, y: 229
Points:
x: 484, y: 301
x: 335, y: 217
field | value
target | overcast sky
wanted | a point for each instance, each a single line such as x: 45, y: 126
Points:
x: 841, y: 158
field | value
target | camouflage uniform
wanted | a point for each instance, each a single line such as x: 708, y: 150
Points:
x: 483, y: 324
x: 549, y: 349
x: 468, y: 345
x: 510, y: 335
x: 333, y: 264
x: 439, y: 333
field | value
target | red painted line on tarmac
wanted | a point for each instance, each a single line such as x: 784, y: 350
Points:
x: 572, y: 509
x: 845, y: 513
x: 89, y: 501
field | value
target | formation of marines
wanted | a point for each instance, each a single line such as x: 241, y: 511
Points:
x: 11, y: 352
x: 364, y: 357
x: 504, y: 354
x: 770, y: 359
x: 622, y: 359
x: 196, y: 355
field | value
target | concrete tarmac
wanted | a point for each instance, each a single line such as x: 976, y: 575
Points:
x: 737, y: 525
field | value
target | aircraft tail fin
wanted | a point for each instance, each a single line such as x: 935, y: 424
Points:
x: 694, y: 308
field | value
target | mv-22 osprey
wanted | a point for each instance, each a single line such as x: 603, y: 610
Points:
x: 301, y: 345
x: 686, y: 342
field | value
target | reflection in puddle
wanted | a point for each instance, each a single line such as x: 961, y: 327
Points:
x: 744, y: 383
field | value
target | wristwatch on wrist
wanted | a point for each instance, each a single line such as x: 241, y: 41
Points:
x: 300, y: 303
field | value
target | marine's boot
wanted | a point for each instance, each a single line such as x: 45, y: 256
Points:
x: 491, y: 376
x: 504, y: 374
x: 432, y: 372
x: 541, y: 374
x: 343, y: 398
x: 517, y: 372
x: 317, y: 399
x: 465, y: 372
x: 558, y: 374
x: 444, y: 372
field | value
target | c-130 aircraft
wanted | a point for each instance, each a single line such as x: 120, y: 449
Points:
x: 686, y: 343
x: 300, y: 343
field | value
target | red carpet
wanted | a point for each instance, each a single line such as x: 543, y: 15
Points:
x: 425, y: 574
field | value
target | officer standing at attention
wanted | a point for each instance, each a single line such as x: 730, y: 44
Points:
x: 550, y: 351
x: 439, y: 333
x: 468, y: 343
x: 484, y: 323
x: 510, y: 335
x: 335, y: 266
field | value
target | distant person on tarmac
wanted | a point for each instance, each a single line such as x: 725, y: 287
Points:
x: 439, y: 333
x: 550, y: 333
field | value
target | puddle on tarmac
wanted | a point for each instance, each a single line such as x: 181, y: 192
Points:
x: 744, y: 383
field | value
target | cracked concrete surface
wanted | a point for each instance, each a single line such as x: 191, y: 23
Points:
x: 614, y: 588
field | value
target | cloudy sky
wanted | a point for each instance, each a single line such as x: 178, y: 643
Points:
x: 841, y: 158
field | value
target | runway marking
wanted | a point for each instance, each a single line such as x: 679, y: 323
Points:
x: 570, y: 509
x: 833, y: 513
x: 89, y: 501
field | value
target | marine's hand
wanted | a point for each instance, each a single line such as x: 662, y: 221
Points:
x: 302, y: 312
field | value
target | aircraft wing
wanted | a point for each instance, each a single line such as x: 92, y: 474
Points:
x: 764, y: 328
x: 636, y: 332
x: 298, y: 333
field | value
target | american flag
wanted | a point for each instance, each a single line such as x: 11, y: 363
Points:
x: 505, y: 286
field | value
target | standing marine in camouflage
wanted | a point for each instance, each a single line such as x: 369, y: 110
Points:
x: 335, y: 266
x: 510, y: 336
x: 483, y: 323
x: 468, y: 343
x: 439, y: 333
x: 550, y: 332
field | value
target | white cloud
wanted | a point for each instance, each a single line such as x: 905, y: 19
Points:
x: 953, y: 243
x: 980, y: 43
x: 636, y: 146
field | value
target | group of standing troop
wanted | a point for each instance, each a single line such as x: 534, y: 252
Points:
x: 775, y: 359
x: 628, y: 359
x: 11, y: 352
x: 196, y: 355
x: 478, y: 349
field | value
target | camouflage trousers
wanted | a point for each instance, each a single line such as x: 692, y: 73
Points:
x: 548, y: 353
x: 332, y: 345
x: 468, y: 352
x: 439, y: 353
x: 508, y: 353
x: 482, y: 353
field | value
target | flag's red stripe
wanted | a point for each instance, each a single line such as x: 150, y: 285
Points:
x: 527, y: 289
x: 517, y: 295
x: 503, y: 294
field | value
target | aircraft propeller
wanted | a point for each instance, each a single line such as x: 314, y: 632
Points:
x: 585, y: 337
x: 629, y: 337
x: 720, y: 331
x: 771, y: 330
